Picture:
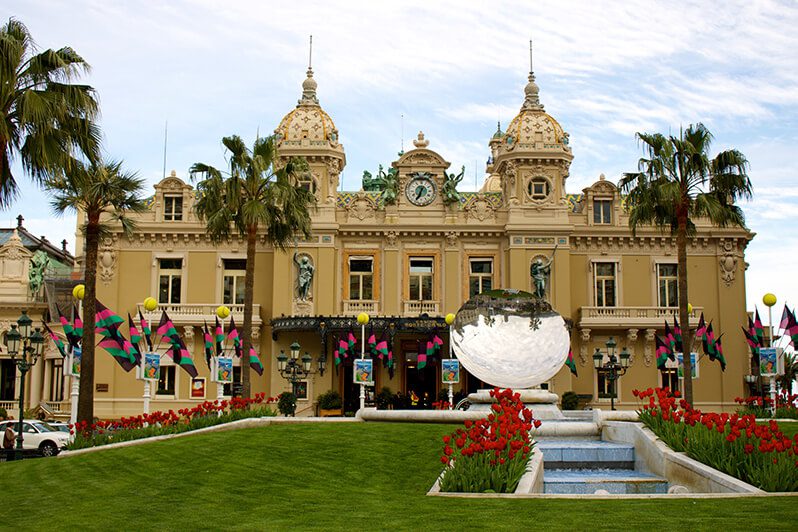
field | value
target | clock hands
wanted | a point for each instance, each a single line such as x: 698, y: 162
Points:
x: 420, y: 191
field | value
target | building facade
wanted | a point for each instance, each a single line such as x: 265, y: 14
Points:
x: 409, y: 248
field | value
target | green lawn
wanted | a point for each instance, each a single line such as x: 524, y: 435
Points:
x: 329, y: 477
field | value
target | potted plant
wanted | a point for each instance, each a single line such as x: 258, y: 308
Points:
x: 329, y: 404
x: 286, y: 404
x: 385, y: 399
x: 570, y: 401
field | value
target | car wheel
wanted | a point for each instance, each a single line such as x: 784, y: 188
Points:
x: 48, y: 448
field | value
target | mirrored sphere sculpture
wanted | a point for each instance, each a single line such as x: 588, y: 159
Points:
x: 510, y: 339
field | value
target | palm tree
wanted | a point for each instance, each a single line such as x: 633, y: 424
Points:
x: 256, y: 193
x: 44, y: 119
x: 676, y: 183
x: 95, y: 190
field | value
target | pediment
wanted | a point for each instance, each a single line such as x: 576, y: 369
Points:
x: 421, y: 158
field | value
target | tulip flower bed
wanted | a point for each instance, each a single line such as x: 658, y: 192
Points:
x: 491, y: 454
x: 761, y: 407
x: 205, y: 414
x: 758, y: 454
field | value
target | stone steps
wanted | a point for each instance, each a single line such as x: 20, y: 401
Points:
x: 615, y: 481
x: 586, y: 454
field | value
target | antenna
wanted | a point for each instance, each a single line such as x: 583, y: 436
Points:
x: 310, y: 53
x: 530, y: 57
x: 165, y: 133
x: 402, y: 121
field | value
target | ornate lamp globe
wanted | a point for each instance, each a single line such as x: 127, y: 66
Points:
x: 769, y: 299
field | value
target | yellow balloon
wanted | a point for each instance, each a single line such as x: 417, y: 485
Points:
x: 769, y: 299
x: 150, y: 304
x: 79, y: 291
x: 362, y: 318
x: 222, y: 311
x: 449, y: 318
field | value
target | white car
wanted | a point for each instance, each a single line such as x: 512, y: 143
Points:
x: 38, y: 435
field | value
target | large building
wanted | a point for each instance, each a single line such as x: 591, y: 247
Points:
x: 409, y: 249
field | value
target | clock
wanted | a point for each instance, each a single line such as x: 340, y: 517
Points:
x: 420, y: 190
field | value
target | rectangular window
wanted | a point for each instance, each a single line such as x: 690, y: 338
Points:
x: 602, y: 211
x: 670, y: 378
x: 172, y: 208
x: 57, y: 381
x: 606, y: 387
x: 361, y: 278
x: 233, y: 281
x: 421, y: 279
x: 170, y: 273
x: 166, y: 384
x: 604, y: 274
x: 668, y: 283
x: 480, y: 278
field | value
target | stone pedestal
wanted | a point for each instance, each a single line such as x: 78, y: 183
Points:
x: 542, y: 403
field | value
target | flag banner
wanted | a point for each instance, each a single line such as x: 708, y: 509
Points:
x: 677, y: 335
x: 72, y: 336
x: 422, y: 356
x: 662, y: 353
x: 570, y: 362
x: 450, y: 371
x: 709, y: 341
x: 206, y: 334
x: 382, y: 349
x: 351, y: 341
x: 106, y: 321
x: 135, y: 335
x: 670, y: 339
x: 254, y: 362
x: 182, y: 357
x: 145, y: 329
x: 792, y: 330
x: 343, y: 348
x: 232, y: 335
x: 116, y: 349
x: 219, y: 338
x: 760, y: 329
x: 167, y: 329
x: 56, y: 340
x: 437, y: 342
x: 78, y: 322
x: 718, y: 354
x: 701, y: 330
x: 371, y: 344
x: 785, y: 319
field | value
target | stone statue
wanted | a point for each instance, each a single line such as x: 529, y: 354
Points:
x: 304, y: 276
x: 450, y: 182
x: 38, y: 266
x: 540, y: 272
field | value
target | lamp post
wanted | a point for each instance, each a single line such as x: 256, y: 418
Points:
x: 614, y: 369
x: 450, y: 322
x: 294, y: 369
x: 25, y: 349
x: 769, y: 300
x: 362, y: 319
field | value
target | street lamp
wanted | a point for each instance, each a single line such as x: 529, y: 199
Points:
x: 294, y: 369
x: 612, y: 367
x: 29, y: 347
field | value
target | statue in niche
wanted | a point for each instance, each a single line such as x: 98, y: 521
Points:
x: 540, y: 272
x: 38, y: 266
x: 304, y: 278
x: 450, y: 182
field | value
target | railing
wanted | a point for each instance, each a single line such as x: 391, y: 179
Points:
x: 632, y: 316
x: 8, y: 406
x: 353, y: 307
x: 416, y: 308
x: 197, y: 313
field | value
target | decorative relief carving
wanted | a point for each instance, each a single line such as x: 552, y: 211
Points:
x: 106, y: 261
x: 728, y: 262
x: 480, y: 210
x: 188, y: 333
x: 391, y: 238
x: 583, y: 348
x: 451, y: 239
x: 631, y: 338
x: 361, y: 208
x: 648, y: 347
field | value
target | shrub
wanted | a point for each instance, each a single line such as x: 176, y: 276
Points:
x: 3, y: 413
x: 491, y: 454
x: 762, y: 407
x: 286, y: 404
x: 570, y: 401
x: 384, y: 398
x: 758, y: 454
x: 330, y: 400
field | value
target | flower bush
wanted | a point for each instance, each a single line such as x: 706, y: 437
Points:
x: 204, y: 414
x: 441, y: 405
x: 758, y: 454
x: 762, y: 407
x: 490, y: 454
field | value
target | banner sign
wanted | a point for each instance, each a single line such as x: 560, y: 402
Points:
x: 450, y: 371
x: 770, y: 363
x: 364, y: 373
x: 152, y: 367
x: 224, y: 370
x: 73, y: 369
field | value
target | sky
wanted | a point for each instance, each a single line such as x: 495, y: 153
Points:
x: 386, y: 70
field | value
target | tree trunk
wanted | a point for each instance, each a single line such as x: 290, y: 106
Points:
x: 86, y: 394
x: 684, y: 318
x: 249, y: 295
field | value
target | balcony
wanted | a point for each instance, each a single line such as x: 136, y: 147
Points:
x: 632, y: 317
x: 417, y: 308
x: 353, y: 307
x: 199, y: 313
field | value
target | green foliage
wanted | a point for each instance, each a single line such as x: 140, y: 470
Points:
x: 570, y: 401
x: 330, y: 400
x: 384, y: 398
x: 286, y: 403
x: 3, y: 413
x: 300, y: 458
x: 46, y: 120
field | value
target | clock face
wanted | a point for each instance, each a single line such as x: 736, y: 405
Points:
x: 420, y: 191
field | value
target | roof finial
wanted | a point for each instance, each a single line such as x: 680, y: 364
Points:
x: 531, y: 100
x: 309, y: 85
x: 19, y: 221
x: 310, y: 54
